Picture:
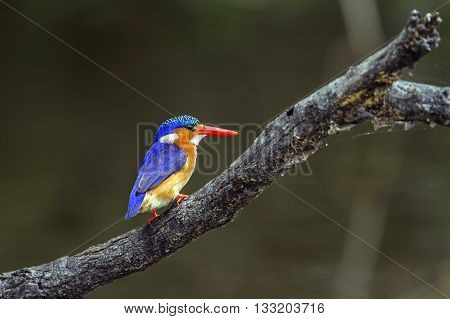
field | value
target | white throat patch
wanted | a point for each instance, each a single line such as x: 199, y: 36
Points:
x: 197, y: 138
x: 169, y: 138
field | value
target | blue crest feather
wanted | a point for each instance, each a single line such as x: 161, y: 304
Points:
x: 168, y: 126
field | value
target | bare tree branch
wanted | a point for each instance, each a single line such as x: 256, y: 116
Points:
x: 367, y: 91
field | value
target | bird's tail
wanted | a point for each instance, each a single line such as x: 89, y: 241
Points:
x: 135, y: 203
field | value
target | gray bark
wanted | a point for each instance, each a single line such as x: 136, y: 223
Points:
x: 369, y: 91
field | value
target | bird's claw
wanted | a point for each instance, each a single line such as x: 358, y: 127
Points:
x: 180, y: 198
x: 154, y: 215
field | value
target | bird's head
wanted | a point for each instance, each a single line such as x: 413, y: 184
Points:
x: 187, y: 129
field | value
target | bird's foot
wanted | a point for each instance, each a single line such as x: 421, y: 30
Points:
x: 154, y: 215
x: 180, y: 198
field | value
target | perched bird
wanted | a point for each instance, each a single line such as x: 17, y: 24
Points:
x: 169, y: 164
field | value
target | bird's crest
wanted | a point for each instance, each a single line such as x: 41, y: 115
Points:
x: 168, y: 126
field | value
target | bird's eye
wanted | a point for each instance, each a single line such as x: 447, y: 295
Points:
x: 190, y: 127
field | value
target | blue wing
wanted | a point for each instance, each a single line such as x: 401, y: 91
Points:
x: 160, y: 161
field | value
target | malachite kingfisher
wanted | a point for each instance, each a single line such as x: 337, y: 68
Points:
x: 168, y: 164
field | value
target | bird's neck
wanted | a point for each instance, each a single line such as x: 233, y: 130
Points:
x: 184, y: 141
x: 189, y: 148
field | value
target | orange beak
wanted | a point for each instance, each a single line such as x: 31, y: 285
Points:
x: 215, y: 131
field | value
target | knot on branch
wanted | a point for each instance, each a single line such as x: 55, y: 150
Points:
x: 422, y: 32
x: 419, y: 37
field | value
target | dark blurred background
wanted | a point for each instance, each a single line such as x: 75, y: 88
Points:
x: 68, y: 144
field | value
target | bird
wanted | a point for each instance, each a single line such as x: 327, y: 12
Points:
x: 168, y: 165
